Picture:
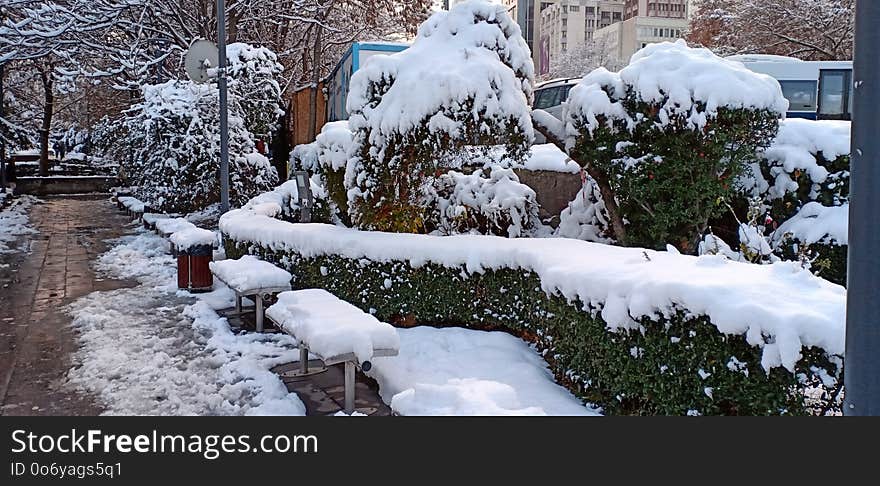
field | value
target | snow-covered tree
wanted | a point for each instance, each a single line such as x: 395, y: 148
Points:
x: 253, y: 73
x: 665, y: 138
x: 177, y: 164
x: 806, y: 29
x: 466, y: 80
x: 583, y: 58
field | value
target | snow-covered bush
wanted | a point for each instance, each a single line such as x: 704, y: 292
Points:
x: 109, y: 137
x: 632, y: 330
x: 252, y: 79
x: 802, y: 180
x: 666, y: 136
x: 466, y: 80
x: 177, y: 166
x: 585, y: 218
x: 327, y: 158
x: 491, y: 201
x: 283, y: 203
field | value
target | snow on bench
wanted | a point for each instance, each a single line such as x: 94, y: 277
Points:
x: 251, y: 277
x: 167, y: 227
x: 150, y: 219
x: 187, y: 238
x: 132, y: 204
x: 335, y: 331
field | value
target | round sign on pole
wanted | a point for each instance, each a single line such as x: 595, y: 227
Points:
x: 201, y: 56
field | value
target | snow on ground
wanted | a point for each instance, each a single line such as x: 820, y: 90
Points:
x: 14, y: 222
x: 455, y: 371
x: 153, y: 350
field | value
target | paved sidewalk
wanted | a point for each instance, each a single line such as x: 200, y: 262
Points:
x: 35, y: 335
x: 53, y: 270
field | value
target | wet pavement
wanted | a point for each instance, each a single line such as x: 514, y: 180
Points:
x: 52, y: 270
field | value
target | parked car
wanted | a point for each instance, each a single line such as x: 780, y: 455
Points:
x: 549, y: 96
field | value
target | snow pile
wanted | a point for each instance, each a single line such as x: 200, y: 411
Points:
x: 549, y: 157
x: 304, y: 157
x: 585, y: 217
x: 499, y: 201
x: 249, y: 273
x: 455, y: 371
x: 472, y: 58
x: 146, y: 352
x: 681, y: 81
x: 333, y: 145
x: 14, y: 222
x: 285, y: 198
x: 796, y: 148
x: 816, y: 223
x: 331, y: 327
x: 763, y: 302
x: 192, y: 237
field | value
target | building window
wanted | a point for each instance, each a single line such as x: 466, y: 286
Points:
x: 574, y: 8
x: 616, y: 16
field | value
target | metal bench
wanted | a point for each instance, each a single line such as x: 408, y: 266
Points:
x: 340, y: 332
x: 253, y: 278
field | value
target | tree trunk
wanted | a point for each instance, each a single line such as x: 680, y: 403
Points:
x: 602, y: 181
x: 48, y: 109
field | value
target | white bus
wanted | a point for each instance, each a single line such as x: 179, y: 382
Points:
x: 815, y: 89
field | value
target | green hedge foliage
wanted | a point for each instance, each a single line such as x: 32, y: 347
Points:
x: 675, y: 366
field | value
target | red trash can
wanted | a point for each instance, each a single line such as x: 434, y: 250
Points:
x: 193, y: 269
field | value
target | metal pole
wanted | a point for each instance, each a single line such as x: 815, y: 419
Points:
x: 224, y: 120
x: 349, y: 387
x: 2, y: 140
x: 862, y: 376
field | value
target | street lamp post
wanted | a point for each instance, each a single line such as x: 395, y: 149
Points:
x: 224, y: 118
x: 862, y: 375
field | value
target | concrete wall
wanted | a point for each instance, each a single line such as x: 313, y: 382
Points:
x: 48, y: 186
x: 553, y: 189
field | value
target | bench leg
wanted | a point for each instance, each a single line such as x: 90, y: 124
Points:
x: 259, y: 311
x: 237, y: 304
x: 349, y: 387
x: 303, y: 358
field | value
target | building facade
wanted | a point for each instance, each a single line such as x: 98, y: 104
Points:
x: 565, y: 24
x: 645, y: 22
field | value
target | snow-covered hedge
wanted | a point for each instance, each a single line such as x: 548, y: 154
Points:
x: 664, y: 138
x: 633, y: 330
x: 466, y: 80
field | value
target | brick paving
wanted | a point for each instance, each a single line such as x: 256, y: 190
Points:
x: 35, y: 337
